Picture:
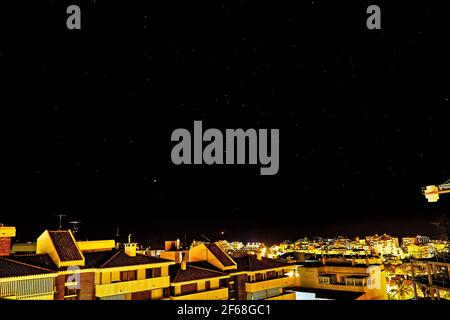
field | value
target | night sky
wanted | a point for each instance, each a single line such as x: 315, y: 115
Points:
x: 87, y: 117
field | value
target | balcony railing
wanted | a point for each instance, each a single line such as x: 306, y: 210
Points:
x: 342, y: 287
x: 217, y: 294
x: 270, y: 284
x: 437, y: 282
x: 29, y: 289
x: 105, y: 290
x: 40, y: 296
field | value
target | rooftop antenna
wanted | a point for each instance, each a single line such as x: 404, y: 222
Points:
x: 75, y: 227
x: 60, y: 220
x: 206, y: 237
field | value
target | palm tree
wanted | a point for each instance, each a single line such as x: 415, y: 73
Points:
x: 402, y: 290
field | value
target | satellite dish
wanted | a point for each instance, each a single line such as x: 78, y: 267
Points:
x: 75, y: 227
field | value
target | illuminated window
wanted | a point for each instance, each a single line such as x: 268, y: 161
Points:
x: 324, y: 280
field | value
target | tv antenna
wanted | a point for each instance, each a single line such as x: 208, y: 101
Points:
x: 60, y: 216
x: 75, y: 227
x: 206, y: 237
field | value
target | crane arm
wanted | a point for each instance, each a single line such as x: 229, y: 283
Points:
x: 432, y: 192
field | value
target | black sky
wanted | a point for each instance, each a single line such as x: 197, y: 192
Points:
x: 87, y: 117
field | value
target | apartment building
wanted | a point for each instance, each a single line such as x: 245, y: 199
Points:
x: 252, y: 277
x: 21, y: 281
x: 431, y: 277
x: 174, y: 250
x: 189, y: 282
x: 384, y: 244
x: 64, y: 269
x: 341, y: 278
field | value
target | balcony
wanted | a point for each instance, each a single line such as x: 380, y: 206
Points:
x: 436, y: 282
x: 270, y: 284
x: 341, y: 287
x: 105, y: 290
x: 218, y: 294
x: 285, y: 296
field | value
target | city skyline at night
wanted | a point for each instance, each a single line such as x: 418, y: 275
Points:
x: 224, y: 150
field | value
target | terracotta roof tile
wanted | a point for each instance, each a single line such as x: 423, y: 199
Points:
x: 251, y: 263
x: 220, y: 255
x: 38, y: 260
x: 65, y: 246
x: 116, y: 258
x: 11, y: 268
x: 191, y: 273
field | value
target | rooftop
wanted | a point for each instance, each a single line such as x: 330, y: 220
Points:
x: 192, y: 273
x: 442, y: 257
x: 220, y: 255
x: 251, y: 263
x: 11, y: 268
x: 118, y: 258
x: 36, y: 260
x: 65, y: 245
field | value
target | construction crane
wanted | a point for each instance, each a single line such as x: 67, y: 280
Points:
x: 432, y: 193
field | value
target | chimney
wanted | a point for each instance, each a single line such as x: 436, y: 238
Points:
x: 130, y: 249
x: 183, y: 262
x: 6, y: 233
x: 178, y: 244
x: 171, y: 245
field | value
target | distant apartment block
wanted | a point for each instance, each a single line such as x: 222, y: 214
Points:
x: 341, y: 279
x: 251, y: 277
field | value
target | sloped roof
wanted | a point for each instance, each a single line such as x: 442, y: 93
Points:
x: 251, y: 263
x: 207, y: 265
x: 65, y: 245
x: 191, y: 273
x: 118, y: 258
x: 37, y: 260
x: 11, y: 268
x: 220, y: 255
x: 247, y: 263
